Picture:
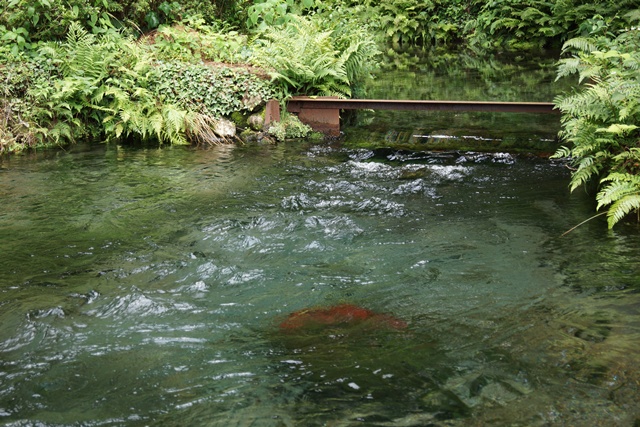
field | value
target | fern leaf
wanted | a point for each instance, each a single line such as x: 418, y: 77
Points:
x: 562, y: 152
x: 622, y: 208
x: 580, y: 44
x: 587, y: 168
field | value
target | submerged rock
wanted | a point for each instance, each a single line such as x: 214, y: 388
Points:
x: 343, y: 315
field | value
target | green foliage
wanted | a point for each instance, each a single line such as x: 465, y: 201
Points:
x: 110, y: 86
x: 407, y: 21
x: 514, y: 24
x: 263, y: 14
x: 266, y: 13
x: 171, y: 86
x: 24, y: 22
x: 487, y: 24
x: 621, y: 192
x: 534, y: 24
x: 290, y: 127
x: 212, y: 90
x: 602, y: 120
x: 432, y: 22
x: 22, y: 116
x: 303, y: 58
x: 28, y: 21
x: 195, y: 41
x: 311, y: 57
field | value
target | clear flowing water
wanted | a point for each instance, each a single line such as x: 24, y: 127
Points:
x: 145, y: 286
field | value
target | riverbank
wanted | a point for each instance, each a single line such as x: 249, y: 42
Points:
x: 176, y: 86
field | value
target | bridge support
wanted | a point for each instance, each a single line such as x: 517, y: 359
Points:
x: 272, y: 112
x: 321, y: 118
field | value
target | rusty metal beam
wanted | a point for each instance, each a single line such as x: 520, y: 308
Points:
x: 323, y: 113
x: 299, y: 103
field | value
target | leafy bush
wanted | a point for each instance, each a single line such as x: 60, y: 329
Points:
x: 534, y: 24
x: 23, y: 22
x: 602, y: 120
x: 290, y: 127
x: 101, y: 84
x: 27, y: 21
x: 23, y: 116
x: 401, y: 22
x: 194, y: 41
x: 430, y: 22
x: 312, y: 57
x: 489, y: 24
x: 264, y: 14
x: 110, y: 86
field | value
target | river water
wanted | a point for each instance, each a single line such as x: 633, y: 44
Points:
x: 146, y: 286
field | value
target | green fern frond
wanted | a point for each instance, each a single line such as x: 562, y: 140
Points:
x: 633, y: 16
x: 175, y: 121
x: 533, y: 14
x: 568, y: 66
x: 622, y: 208
x: 632, y: 154
x: 586, y: 170
x: 312, y: 60
x: 622, y: 193
x: 562, y: 152
x: 580, y: 44
x: 156, y: 126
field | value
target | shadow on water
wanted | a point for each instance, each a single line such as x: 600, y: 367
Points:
x: 362, y: 373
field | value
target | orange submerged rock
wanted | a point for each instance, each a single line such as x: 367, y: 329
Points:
x: 339, y: 315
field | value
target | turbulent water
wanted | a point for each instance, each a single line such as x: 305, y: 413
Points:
x: 143, y: 286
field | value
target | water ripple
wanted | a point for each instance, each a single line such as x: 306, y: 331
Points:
x: 417, y: 186
x: 338, y: 228
x: 135, y: 303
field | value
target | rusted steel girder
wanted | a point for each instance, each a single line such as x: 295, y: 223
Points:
x: 298, y: 103
x: 323, y: 113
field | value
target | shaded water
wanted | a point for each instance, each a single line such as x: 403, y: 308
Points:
x: 144, y: 286
x: 417, y: 74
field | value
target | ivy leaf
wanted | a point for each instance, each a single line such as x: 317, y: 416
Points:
x: 152, y: 20
x: 9, y: 35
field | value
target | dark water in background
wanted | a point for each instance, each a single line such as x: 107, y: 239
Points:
x: 462, y: 77
x: 144, y: 286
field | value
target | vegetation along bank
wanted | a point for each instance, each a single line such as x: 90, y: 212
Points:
x: 191, y: 72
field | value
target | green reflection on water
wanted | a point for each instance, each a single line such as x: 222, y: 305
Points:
x: 464, y: 76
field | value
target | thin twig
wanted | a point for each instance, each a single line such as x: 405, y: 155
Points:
x: 586, y: 220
